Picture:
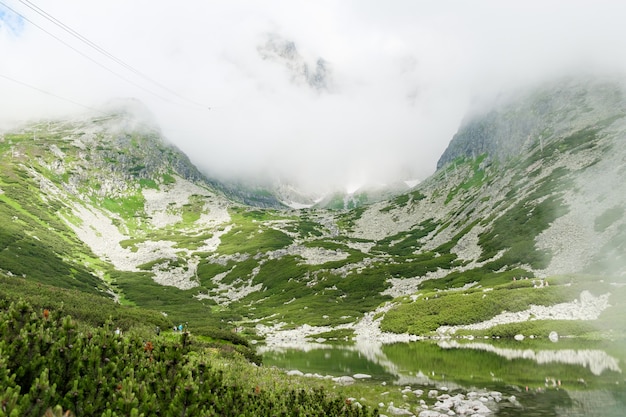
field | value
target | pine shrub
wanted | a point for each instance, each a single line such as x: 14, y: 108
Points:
x: 50, y: 366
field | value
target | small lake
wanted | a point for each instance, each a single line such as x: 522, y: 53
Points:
x: 568, y: 378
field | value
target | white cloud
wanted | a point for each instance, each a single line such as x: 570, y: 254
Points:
x: 403, y: 73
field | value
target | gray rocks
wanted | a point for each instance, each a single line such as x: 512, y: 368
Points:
x: 284, y: 52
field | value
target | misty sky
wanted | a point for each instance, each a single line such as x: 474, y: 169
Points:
x: 402, y: 74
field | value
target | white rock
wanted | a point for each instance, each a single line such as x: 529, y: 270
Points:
x: 397, y: 411
x: 345, y: 380
x: 429, y: 413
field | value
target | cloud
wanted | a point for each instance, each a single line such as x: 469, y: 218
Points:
x: 403, y: 74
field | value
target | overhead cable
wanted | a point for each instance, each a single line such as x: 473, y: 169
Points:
x: 85, y: 55
x: 48, y: 93
x: 104, y: 52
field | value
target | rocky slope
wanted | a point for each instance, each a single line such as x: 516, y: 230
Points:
x: 529, y: 188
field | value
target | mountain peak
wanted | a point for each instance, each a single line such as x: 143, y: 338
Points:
x: 284, y: 52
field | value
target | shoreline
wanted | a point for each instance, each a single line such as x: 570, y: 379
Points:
x: 367, y: 329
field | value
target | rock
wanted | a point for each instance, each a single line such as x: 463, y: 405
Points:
x: 553, y: 336
x: 397, y: 411
x: 295, y: 372
x: 519, y: 337
x: 429, y: 413
x: 433, y: 393
x: 344, y: 380
x: 472, y: 407
x: 361, y: 376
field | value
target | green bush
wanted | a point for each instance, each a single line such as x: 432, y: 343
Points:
x: 433, y: 310
x: 48, y: 363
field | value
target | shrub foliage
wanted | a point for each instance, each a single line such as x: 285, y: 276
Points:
x: 47, y: 363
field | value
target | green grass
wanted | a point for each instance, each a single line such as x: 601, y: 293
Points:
x: 484, y: 276
x: 88, y: 308
x: 435, y: 309
x: 608, y: 218
x: 516, y: 229
x: 249, y: 235
x: 127, y: 207
x: 346, y: 221
x: 406, y: 243
x: 475, y: 181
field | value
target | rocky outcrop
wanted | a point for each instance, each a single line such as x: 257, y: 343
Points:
x: 517, y: 121
x: 317, y: 76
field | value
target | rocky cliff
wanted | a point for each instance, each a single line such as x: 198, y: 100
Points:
x: 516, y: 122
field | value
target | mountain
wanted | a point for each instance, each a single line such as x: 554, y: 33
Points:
x: 531, y: 187
x: 317, y: 76
x: 364, y: 195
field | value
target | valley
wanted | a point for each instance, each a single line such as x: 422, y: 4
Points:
x: 520, y: 232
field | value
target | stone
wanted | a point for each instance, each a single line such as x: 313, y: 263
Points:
x: 397, y: 411
x: 344, y: 380
x: 429, y: 413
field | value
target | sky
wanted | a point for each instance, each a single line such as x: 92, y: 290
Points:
x: 401, y: 74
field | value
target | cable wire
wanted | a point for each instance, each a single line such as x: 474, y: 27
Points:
x: 48, y: 93
x: 104, y: 52
x: 85, y: 55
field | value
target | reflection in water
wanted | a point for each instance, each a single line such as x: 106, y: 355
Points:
x: 592, y: 380
x: 596, y: 360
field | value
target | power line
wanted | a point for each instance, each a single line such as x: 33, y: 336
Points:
x: 90, y: 58
x: 48, y: 93
x: 104, y: 52
x: 82, y: 53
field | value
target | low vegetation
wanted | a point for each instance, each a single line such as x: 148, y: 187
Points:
x: 49, y: 363
x: 432, y: 309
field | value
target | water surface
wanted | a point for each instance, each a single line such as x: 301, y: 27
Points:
x: 569, y: 378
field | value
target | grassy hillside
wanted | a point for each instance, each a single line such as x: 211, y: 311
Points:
x: 103, y: 206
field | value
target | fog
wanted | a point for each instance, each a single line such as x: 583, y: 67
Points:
x: 400, y: 75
